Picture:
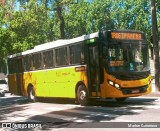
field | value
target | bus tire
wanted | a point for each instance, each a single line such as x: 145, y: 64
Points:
x: 120, y: 100
x: 82, y: 95
x: 31, y: 94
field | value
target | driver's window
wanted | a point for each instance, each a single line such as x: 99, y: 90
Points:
x: 115, y: 53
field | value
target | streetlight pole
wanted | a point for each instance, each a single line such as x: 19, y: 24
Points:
x: 155, y: 44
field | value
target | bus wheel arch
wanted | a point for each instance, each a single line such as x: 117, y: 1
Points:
x: 31, y: 93
x: 81, y: 94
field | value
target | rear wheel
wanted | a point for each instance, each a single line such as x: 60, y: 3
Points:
x: 82, y: 95
x: 31, y: 94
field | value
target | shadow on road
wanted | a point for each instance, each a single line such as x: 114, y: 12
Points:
x: 13, y: 100
x: 10, y: 105
x: 96, y: 111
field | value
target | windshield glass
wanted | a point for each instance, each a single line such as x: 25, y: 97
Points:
x: 127, y: 57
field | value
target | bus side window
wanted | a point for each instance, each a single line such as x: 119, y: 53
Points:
x: 27, y: 63
x: 76, y: 54
x: 48, y: 59
x: 61, y: 56
x: 37, y: 61
x: 12, y: 65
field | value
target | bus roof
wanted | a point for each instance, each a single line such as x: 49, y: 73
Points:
x: 56, y: 43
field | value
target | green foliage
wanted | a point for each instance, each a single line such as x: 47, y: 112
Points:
x: 37, y: 21
x: 29, y: 27
x: 87, y: 17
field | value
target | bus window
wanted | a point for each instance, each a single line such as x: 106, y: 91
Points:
x: 11, y: 65
x: 48, y: 59
x: 37, y: 61
x: 76, y: 54
x: 61, y: 56
x: 19, y: 65
x: 27, y: 63
x: 115, y: 53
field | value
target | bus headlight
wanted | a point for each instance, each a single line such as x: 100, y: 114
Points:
x: 111, y: 83
x: 117, y: 86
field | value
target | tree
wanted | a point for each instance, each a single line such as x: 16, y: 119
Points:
x: 39, y: 21
x: 5, y: 45
x: 29, y: 26
x: 60, y: 6
x: 59, y: 9
x: 155, y: 43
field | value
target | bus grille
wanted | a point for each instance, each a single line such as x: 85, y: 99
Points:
x: 136, y: 90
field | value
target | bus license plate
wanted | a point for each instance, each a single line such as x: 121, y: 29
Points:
x: 135, y: 91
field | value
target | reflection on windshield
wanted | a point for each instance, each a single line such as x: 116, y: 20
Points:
x: 127, y: 57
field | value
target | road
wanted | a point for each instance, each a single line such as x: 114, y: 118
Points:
x: 59, y: 114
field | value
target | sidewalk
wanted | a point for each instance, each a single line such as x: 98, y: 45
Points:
x: 153, y: 94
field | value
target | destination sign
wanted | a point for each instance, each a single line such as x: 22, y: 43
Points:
x: 116, y: 63
x: 124, y: 35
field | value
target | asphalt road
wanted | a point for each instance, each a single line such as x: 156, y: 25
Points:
x: 63, y: 114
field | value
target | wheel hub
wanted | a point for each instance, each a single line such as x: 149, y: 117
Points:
x: 82, y: 95
x: 31, y: 95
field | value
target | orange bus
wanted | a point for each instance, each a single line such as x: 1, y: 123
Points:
x: 108, y: 64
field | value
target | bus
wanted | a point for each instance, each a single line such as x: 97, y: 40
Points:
x: 105, y: 64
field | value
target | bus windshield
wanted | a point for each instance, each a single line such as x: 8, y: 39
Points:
x: 127, y: 57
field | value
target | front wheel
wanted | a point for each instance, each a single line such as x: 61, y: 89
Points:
x: 82, y: 95
x: 31, y: 94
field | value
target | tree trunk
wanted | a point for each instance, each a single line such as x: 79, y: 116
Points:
x: 46, y: 4
x: 155, y: 44
x: 62, y: 24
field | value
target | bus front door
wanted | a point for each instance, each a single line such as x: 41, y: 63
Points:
x: 93, y: 71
